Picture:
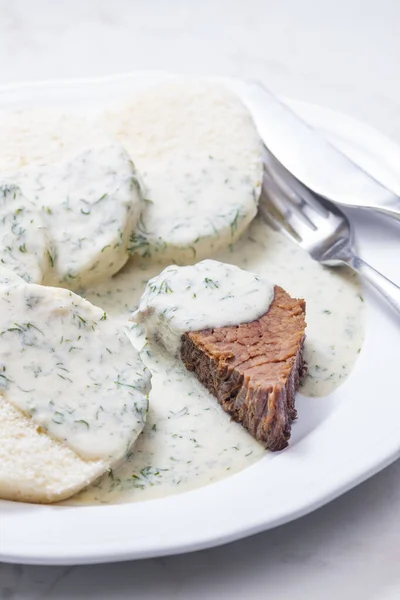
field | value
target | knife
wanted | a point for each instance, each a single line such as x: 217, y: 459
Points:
x: 312, y: 159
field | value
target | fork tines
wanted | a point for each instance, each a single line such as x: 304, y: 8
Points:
x: 289, y: 206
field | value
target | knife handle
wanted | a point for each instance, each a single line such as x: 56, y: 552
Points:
x: 389, y: 290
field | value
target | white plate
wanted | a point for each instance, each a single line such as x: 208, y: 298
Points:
x: 340, y: 442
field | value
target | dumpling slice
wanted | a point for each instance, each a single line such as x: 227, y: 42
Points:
x: 90, y: 205
x: 200, y: 158
x: 73, y: 393
x: 84, y: 186
x: 35, y: 467
x: 25, y: 244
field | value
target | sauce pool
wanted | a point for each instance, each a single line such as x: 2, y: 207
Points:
x: 189, y: 441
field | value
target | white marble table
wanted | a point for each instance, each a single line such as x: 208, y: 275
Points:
x: 341, y: 53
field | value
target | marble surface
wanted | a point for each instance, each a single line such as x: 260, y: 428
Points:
x: 343, y: 54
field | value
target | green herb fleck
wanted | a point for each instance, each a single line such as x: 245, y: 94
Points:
x: 234, y: 223
x: 101, y: 198
x: 210, y: 283
x: 58, y: 418
x: 83, y: 422
x: 126, y: 385
x: 4, y: 381
x: 139, y: 243
x: 165, y: 288
x: 51, y: 258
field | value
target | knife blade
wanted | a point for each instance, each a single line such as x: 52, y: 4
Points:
x: 312, y: 159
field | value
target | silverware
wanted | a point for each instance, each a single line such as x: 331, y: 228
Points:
x: 318, y: 226
x: 312, y: 159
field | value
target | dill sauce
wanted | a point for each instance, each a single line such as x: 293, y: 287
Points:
x: 207, y: 294
x: 72, y: 370
x: 188, y: 440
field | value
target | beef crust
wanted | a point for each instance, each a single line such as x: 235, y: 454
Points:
x: 254, y: 369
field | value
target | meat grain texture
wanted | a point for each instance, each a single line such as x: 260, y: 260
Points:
x: 254, y: 369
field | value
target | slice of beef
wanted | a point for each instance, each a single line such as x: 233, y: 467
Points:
x: 254, y: 368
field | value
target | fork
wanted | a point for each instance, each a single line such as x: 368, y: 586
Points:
x: 316, y: 225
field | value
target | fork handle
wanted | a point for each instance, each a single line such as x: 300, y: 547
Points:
x: 389, y: 290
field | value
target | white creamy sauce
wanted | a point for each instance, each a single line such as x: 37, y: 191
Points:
x: 334, y: 303
x: 188, y: 440
x: 90, y: 206
x: 72, y: 370
x: 199, y: 154
x: 25, y: 242
x: 213, y: 204
x: 206, y: 294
